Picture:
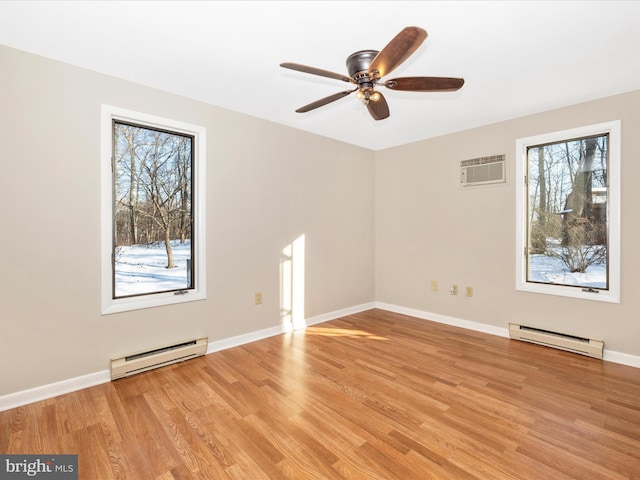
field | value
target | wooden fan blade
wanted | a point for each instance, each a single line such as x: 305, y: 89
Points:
x: 425, y: 84
x: 324, y: 101
x: 316, y: 71
x: 378, y: 109
x: 397, y: 51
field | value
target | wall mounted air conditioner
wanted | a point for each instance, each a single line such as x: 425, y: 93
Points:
x: 483, y: 171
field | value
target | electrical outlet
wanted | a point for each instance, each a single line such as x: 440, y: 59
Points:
x: 469, y: 291
x: 454, y: 290
x: 257, y: 298
x: 434, y: 285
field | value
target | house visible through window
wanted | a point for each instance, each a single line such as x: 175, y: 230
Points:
x: 154, y: 227
x: 569, y: 213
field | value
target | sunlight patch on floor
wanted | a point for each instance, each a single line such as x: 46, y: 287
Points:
x: 342, y: 332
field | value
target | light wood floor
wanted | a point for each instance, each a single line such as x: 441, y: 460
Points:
x: 370, y: 396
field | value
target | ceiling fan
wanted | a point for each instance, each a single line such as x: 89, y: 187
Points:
x: 367, y: 67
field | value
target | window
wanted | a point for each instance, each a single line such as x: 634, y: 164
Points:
x: 153, y: 232
x: 568, y: 207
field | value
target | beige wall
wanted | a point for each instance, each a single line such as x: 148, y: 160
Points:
x: 428, y: 228
x: 266, y: 185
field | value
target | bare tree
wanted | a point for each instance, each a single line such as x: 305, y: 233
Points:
x: 581, y: 248
x: 154, y: 179
x: 184, y: 175
x: 539, y: 226
x: 125, y: 171
x: 130, y: 150
x: 564, y: 221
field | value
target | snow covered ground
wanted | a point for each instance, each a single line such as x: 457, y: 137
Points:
x: 142, y: 268
x: 552, y: 270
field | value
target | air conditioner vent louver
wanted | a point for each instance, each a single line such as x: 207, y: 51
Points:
x: 570, y: 343
x: 138, y: 362
x: 483, y: 171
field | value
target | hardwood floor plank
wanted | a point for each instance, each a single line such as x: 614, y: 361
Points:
x: 370, y: 396
x: 438, y: 465
x: 125, y: 462
x: 579, y: 467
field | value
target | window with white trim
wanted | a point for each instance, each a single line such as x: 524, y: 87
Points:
x: 568, y: 213
x: 153, y: 233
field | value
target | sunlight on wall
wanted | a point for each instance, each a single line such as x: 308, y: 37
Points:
x: 292, y: 285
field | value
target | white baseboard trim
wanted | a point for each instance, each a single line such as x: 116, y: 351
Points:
x: 340, y: 313
x: 608, y: 355
x: 436, y: 317
x: 623, y: 358
x: 36, y: 394
x: 243, y: 339
x: 51, y: 390
x: 225, y: 343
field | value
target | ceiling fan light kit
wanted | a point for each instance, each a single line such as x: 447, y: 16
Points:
x: 367, y: 67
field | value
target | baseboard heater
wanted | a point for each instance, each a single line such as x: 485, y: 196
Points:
x: 139, y: 362
x: 570, y: 343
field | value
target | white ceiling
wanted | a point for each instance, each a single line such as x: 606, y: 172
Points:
x: 517, y: 57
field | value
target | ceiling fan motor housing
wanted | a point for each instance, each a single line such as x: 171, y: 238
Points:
x: 358, y: 67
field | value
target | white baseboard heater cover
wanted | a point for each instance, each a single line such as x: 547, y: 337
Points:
x: 139, y: 362
x: 570, y: 343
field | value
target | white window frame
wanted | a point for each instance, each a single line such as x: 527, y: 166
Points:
x: 611, y: 295
x: 114, y: 305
